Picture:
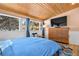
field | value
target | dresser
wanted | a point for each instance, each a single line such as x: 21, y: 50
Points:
x: 59, y: 34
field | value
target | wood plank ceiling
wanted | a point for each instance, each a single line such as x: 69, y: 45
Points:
x: 40, y: 11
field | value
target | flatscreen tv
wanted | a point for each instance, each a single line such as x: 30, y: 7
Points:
x: 58, y: 22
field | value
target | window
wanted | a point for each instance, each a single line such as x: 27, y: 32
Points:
x: 8, y: 23
x: 34, y: 26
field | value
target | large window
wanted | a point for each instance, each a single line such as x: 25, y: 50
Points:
x: 8, y: 23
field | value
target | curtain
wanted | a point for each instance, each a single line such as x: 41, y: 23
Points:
x: 27, y: 27
x: 43, y: 31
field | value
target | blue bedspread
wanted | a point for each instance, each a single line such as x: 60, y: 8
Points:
x: 31, y: 46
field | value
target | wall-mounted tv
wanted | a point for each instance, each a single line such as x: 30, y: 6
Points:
x: 60, y: 21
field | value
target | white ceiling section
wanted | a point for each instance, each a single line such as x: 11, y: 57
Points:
x: 39, y: 11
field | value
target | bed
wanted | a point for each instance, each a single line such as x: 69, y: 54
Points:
x: 29, y: 46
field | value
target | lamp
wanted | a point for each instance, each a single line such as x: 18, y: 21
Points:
x: 44, y: 26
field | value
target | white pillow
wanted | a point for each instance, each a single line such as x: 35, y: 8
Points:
x: 5, y: 44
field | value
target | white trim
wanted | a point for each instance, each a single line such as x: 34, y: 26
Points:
x: 8, y: 15
x: 19, y: 24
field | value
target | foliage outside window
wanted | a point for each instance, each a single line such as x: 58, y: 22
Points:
x: 8, y: 23
x: 34, y: 26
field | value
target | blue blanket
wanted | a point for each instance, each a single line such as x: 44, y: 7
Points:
x: 31, y: 46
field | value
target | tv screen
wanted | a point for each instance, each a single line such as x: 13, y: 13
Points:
x: 60, y: 21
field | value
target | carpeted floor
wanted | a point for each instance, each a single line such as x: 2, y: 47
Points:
x: 70, y: 50
x: 67, y: 51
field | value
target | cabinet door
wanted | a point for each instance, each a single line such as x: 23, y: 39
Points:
x: 58, y: 34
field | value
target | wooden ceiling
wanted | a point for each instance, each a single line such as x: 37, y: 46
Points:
x: 40, y: 11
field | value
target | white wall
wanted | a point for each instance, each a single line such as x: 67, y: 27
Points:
x: 74, y: 37
x: 11, y: 34
x: 72, y: 23
x: 47, y: 24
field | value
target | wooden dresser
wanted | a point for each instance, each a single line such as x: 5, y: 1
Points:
x: 59, y: 34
